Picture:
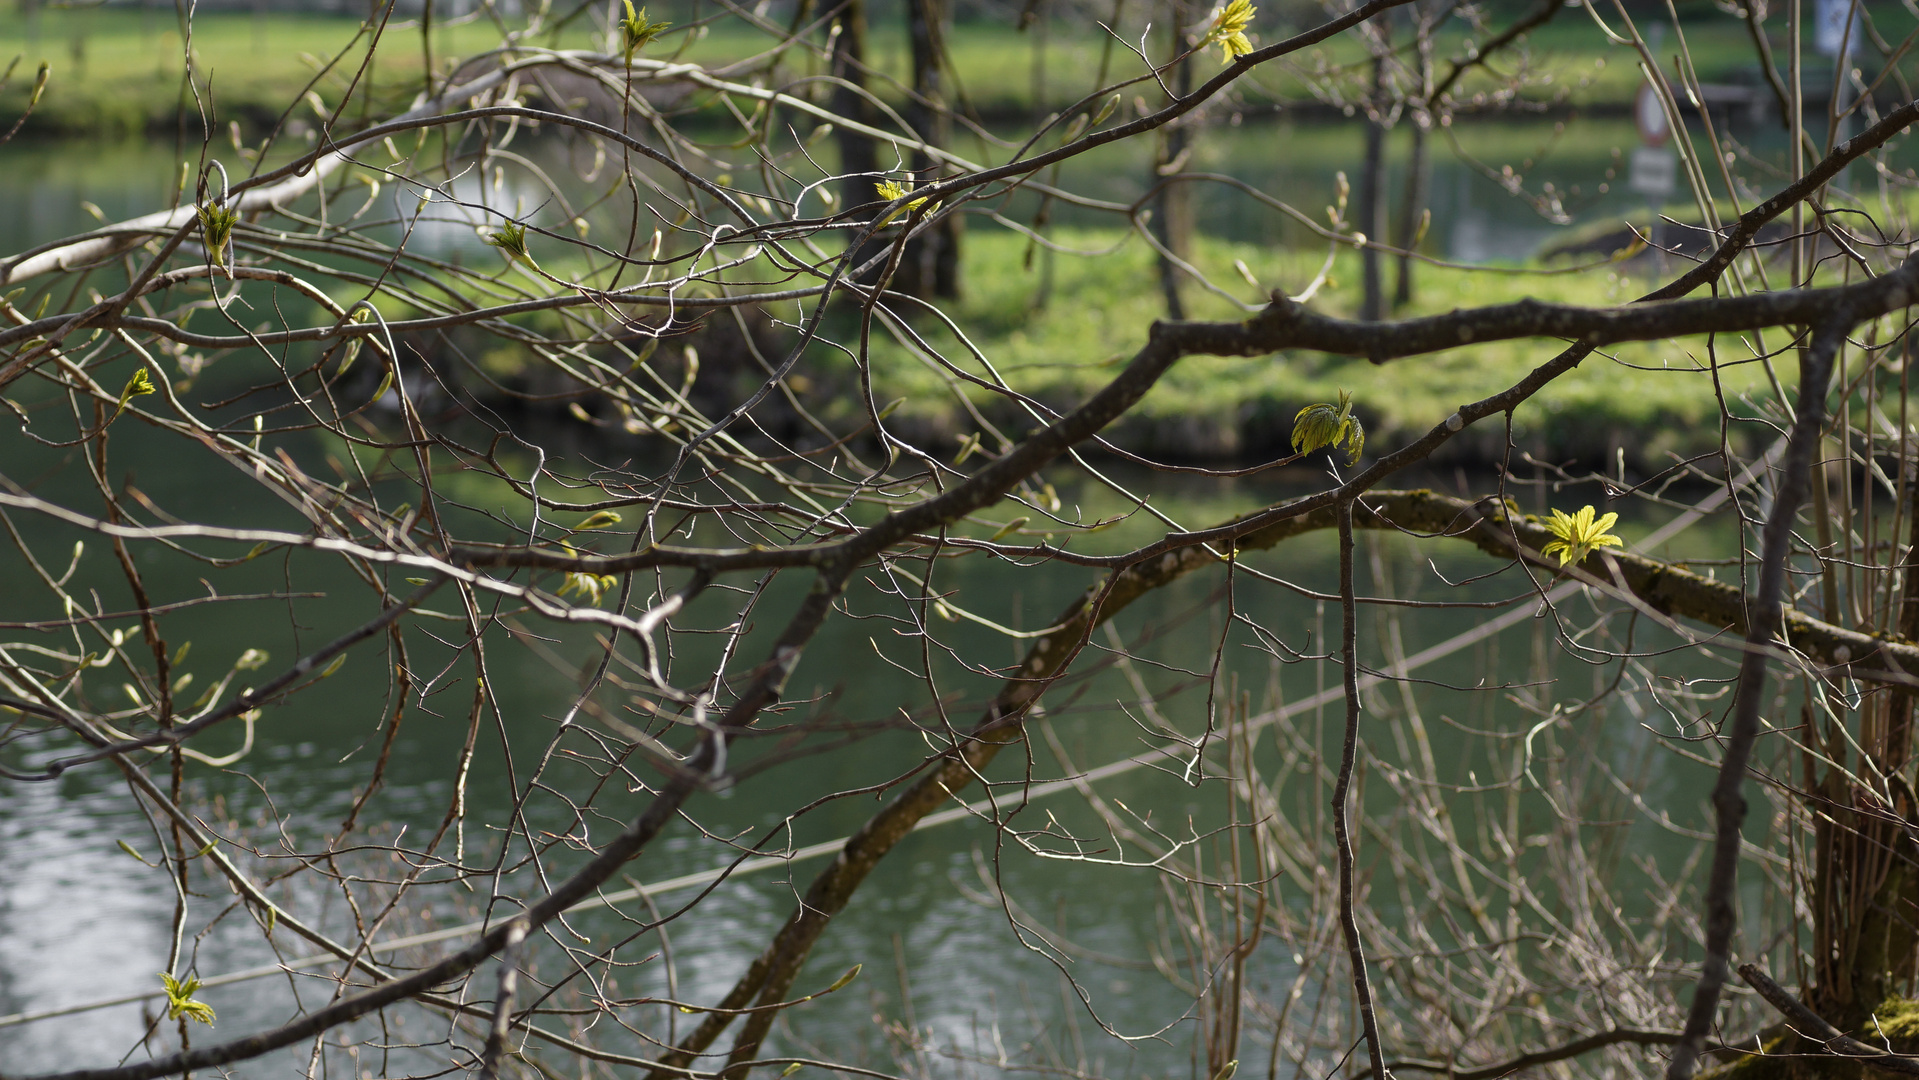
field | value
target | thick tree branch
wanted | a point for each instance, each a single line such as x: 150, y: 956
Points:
x: 1585, y: 1045
x: 1811, y: 1025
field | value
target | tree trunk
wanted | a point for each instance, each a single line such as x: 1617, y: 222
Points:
x: 1172, y: 221
x: 1371, y: 212
x: 1419, y: 177
x: 858, y: 159
x: 1036, y: 21
x: 929, y: 267
x: 1419, y: 167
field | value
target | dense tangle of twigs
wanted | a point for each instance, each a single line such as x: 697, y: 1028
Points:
x: 707, y: 308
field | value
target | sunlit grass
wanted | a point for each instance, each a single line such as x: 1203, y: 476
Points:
x: 1650, y: 398
x: 118, y: 69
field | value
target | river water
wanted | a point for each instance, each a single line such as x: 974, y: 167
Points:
x: 81, y: 920
x: 1559, y: 168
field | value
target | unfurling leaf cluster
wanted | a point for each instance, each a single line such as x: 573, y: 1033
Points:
x: 590, y: 586
x: 893, y: 191
x: 180, y: 1000
x: 511, y: 240
x: 636, y: 31
x: 1579, y: 534
x: 140, y: 385
x: 1229, y: 30
x: 1330, y: 425
x: 216, y: 227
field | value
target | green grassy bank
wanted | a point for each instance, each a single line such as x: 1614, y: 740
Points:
x: 119, y: 70
x: 1651, y: 400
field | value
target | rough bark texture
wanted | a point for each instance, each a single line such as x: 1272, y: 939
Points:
x: 1806, y: 1046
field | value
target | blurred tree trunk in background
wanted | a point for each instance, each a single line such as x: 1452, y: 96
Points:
x: 1419, y: 174
x: 858, y: 161
x: 1419, y: 166
x: 1035, y: 21
x: 1172, y: 222
x: 930, y: 265
x: 1371, y: 212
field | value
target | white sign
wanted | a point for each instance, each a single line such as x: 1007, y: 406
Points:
x: 1650, y: 114
x: 1829, y: 21
x: 1654, y: 170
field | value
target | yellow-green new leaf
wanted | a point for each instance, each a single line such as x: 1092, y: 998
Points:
x: 1010, y: 528
x: 1330, y: 425
x: 511, y: 240
x: 140, y: 385
x: 1229, y: 30
x: 180, y: 1000
x: 590, y: 586
x: 1579, y: 534
x: 216, y: 228
x: 636, y: 31
x: 893, y: 191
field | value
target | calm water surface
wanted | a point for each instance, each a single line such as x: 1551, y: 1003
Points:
x: 80, y: 920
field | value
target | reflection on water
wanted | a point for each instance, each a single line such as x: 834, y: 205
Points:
x: 1480, y: 217
x: 80, y: 920
x: 83, y: 921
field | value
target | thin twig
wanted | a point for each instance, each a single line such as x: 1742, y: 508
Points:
x: 1342, y: 794
x: 1728, y: 797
